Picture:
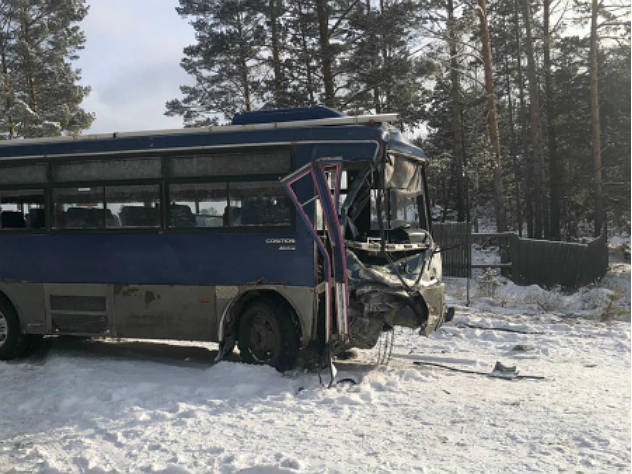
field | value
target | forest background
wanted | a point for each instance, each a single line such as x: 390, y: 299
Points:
x: 522, y: 106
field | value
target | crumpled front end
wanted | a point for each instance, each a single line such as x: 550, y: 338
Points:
x: 407, y: 292
x: 376, y: 257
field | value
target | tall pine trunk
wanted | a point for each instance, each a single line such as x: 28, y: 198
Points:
x: 514, y: 150
x: 524, y: 126
x: 492, y: 121
x: 377, y: 104
x: 555, y: 170
x: 596, y: 126
x: 8, y: 93
x: 28, y: 62
x: 6, y: 83
x: 455, y: 105
x: 273, y: 16
x: 243, y: 70
x: 326, y: 57
x: 536, y: 155
x: 386, y: 88
x: 306, y: 54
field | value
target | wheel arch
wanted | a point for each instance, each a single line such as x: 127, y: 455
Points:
x: 229, y: 321
x: 4, y: 298
x: 28, y: 301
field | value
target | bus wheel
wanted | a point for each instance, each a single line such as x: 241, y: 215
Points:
x: 267, y: 335
x: 12, y: 342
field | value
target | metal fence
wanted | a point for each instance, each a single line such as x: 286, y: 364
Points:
x: 456, y: 249
x: 548, y: 263
x: 541, y: 262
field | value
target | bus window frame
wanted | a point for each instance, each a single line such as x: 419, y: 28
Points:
x: 291, y: 227
x: 168, y: 179
x: 27, y: 230
x: 163, y: 181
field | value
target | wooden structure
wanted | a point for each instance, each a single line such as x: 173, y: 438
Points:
x: 548, y: 263
x: 454, y: 238
x: 530, y: 261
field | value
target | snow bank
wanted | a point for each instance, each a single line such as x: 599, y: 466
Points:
x: 609, y: 299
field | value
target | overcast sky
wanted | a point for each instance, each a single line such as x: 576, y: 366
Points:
x: 132, y: 62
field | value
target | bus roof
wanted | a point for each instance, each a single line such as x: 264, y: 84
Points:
x: 250, y: 128
x: 241, y: 125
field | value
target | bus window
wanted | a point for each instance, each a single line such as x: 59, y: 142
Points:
x: 197, y: 205
x: 104, y: 169
x: 23, y: 173
x: 133, y: 206
x: 22, y: 209
x: 231, y: 163
x: 80, y: 208
x: 258, y: 204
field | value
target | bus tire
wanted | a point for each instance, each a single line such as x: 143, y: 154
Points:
x: 13, y: 343
x: 268, y: 335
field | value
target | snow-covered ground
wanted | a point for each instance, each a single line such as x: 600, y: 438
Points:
x: 97, y: 407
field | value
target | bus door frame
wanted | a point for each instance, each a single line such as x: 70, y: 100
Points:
x: 334, y: 258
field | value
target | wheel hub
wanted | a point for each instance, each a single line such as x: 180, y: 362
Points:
x: 264, y: 338
x: 4, y: 329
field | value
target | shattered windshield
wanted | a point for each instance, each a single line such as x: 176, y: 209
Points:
x: 404, y: 199
x: 404, y: 208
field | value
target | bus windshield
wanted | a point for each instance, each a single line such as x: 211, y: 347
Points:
x: 405, y: 188
x: 404, y: 197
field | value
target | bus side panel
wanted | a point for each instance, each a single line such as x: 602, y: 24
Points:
x: 165, y: 312
x: 173, y: 258
x: 28, y: 300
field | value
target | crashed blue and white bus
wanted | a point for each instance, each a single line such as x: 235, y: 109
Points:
x: 286, y: 232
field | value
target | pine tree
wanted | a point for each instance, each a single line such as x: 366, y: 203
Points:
x: 381, y: 74
x: 456, y: 107
x: 609, y: 20
x: 225, y: 62
x: 492, y: 120
x: 302, y: 54
x: 39, y: 39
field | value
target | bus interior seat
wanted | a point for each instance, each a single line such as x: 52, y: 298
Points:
x: 37, y: 218
x: 111, y: 220
x: 260, y: 211
x: 252, y: 211
x: 82, y: 217
x: 181, y: 216
x: 12, y: 220
x: 139, y: 216
x: 232, y: 216
x: 279, y: 212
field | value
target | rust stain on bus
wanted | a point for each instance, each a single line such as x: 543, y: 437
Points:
x: 149, y: 297
x: 125, y: 290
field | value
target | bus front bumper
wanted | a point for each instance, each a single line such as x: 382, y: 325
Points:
x: 434, y: 298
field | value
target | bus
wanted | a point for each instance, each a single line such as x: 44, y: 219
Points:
x: 287, y: 233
